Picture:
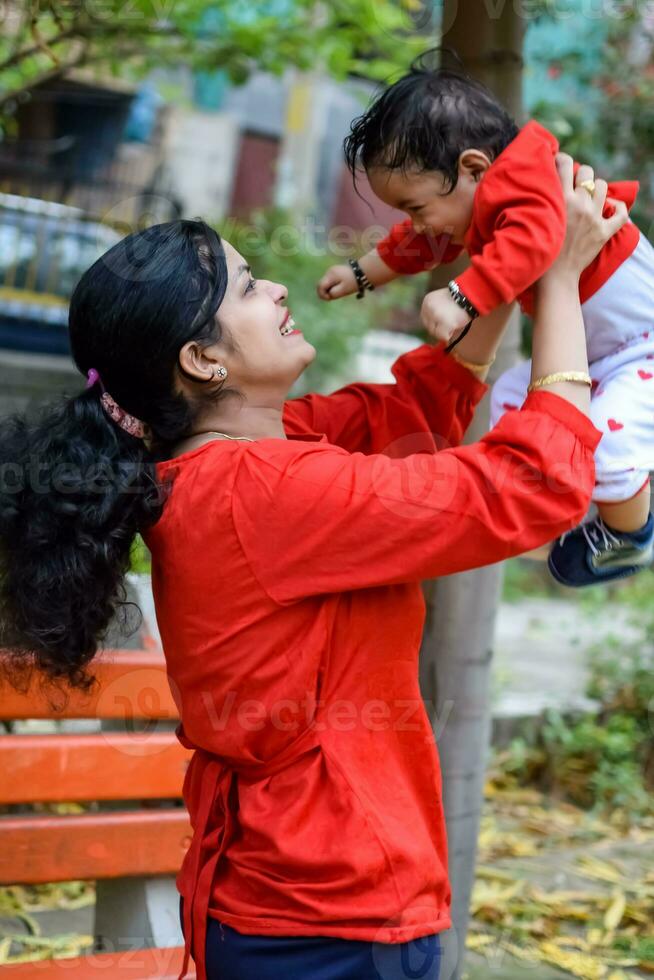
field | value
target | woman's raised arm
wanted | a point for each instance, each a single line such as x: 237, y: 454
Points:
x: 432, y: 402
x: 559, y: 341
x: 313, y: 519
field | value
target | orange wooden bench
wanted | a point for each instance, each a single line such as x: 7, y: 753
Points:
x: 133, y: 837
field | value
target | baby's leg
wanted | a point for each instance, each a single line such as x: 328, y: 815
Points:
x: 622, y: 407
x: 618, y: 318
x: 627, y: 515
x: 620, y: 542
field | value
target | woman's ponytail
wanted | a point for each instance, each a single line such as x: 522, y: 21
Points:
x: 75, y: 489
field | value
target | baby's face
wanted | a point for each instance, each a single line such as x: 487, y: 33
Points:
x: 425, y: 198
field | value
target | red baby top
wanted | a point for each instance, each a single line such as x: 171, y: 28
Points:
x: 517, y: 229
x: 286, y: 577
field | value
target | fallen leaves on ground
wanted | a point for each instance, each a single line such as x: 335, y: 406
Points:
x: 21, y: 901
x: 587, y: 914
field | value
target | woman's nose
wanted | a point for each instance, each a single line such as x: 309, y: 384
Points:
x: 279, y: 291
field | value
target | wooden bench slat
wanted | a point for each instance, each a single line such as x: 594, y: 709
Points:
x: 132, y: 684
x: 139, y: 964
x: 120, y: 844
x: 106, y: 766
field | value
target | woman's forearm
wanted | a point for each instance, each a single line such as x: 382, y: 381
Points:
x: 559, y: 342
x: 481, y: 343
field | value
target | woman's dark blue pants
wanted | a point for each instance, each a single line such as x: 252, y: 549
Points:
x: 233, y: 956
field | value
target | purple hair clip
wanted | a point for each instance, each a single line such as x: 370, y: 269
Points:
x: 92, y: 377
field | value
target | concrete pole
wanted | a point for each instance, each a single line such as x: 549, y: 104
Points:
x: 457, y: 645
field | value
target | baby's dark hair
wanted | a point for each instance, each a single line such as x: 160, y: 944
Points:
x: 425, y: 120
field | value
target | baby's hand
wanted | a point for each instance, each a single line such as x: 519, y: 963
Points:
x: 337, y: 282
x: 441, y: 317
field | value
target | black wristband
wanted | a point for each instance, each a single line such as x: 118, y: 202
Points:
x: 462, y: 300
x: 362, y: 279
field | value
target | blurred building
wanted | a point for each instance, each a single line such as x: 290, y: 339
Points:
x: 272, y: 142
x: 91, y: 159
x: 94, y: 145
x: 84, y: 165
x: 562, y: 53
x: 119, y: 157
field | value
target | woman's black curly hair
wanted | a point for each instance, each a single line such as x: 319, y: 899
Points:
x: 425, y: 120
x: 75, y: 488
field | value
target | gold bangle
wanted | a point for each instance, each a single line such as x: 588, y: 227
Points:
x: 471, y: 365
x: 551, y: 379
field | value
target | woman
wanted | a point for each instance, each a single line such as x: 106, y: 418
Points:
x: 289, y: 540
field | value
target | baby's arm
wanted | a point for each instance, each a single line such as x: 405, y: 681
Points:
x: 402, y: 252
x: 340, y: 280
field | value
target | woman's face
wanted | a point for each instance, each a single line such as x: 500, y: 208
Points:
x: 257, y: 355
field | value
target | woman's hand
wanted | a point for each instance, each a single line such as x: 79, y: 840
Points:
x: 587, y: 229
x: 559, y: 342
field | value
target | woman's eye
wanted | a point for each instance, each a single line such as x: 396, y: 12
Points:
x: 251, y: 285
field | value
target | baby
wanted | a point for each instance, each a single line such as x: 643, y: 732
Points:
x: 440, y: 147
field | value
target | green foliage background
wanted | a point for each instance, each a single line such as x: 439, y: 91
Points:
x: 610, y: 124
x: 45, y: 39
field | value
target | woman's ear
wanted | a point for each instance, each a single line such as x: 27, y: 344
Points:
x: 197, y: 363
x: 474, y: 163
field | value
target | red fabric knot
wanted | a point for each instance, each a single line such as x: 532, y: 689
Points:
x: 210, y: 841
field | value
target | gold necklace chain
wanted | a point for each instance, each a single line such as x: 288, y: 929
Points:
x: 212, y: 432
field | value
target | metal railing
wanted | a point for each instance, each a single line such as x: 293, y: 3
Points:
x: 52, y: 228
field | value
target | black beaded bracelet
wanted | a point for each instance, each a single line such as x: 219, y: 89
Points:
x: 362, y: 279
x: 462, y: 300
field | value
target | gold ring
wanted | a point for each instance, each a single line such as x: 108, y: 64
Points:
x: 588, y: 185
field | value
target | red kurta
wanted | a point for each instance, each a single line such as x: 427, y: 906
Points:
x: 286, y: 578
x: 517, y: 229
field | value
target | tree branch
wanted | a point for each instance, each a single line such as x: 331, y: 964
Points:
x: 47, y: 76
x: 15, y: 59
x: 96, y: 32
x: 56, y: 15
x: 85, y: 58
x: 40, y: 40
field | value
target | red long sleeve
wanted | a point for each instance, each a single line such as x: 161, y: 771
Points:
x: 518, y: 224
x: 316, y: 519
x: 433, y: 396
x: 407, y: 252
